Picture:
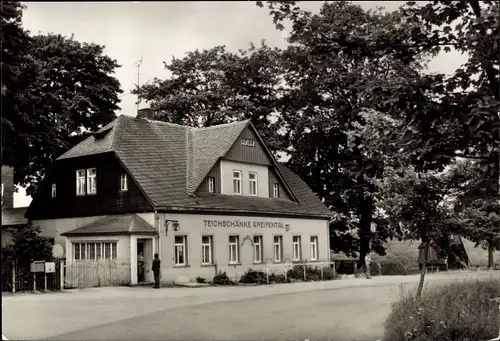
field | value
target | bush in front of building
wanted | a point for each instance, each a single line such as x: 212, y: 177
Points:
x: 254, y: 277
x: 278, y: 278
x: 458, y: 311
x: 222, y: 279
x: 201, y: 280
x: 313, y: 273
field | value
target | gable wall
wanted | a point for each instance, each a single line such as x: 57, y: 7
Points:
x: 240, y: 153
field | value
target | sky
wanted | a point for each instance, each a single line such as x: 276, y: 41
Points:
x: 157, y: 31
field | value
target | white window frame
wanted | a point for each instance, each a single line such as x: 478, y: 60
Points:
x: 278, y: 246
x: 208, y: 246
x: 81, y: 184
x: 101, y: 250
x: 211, y: 184
x: 91, y: 181
x: 54, y: 190
x: 253, y: 182
x: 276, y: 190
x: 2, y: 189
x: 296, y: 248
x: 314, y: 247
x: 239, y: 181
x: 251, y: 142
x: 244, y: 141
x: 124, y: 182
x: 258, y: 254
x: 177, y: 247
x: 234, y: 249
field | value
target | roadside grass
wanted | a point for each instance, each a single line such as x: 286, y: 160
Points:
x: 460, y: 311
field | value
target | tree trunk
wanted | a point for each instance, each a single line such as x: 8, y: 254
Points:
x: 423, y: 271
x: 364, y: 232
x: 491, y: 253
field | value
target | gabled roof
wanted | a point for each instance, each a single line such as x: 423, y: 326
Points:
x: 14, y: 217
x: 169, y: 161
x: 119, y: 224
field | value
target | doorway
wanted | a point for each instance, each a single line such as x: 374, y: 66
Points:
x: 144, y: 260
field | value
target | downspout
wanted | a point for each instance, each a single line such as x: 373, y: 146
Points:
x: 158, y: 227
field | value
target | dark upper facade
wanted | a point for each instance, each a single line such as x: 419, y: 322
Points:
x: 138, y: 165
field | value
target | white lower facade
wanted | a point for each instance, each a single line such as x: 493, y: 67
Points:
x: 202, y: 245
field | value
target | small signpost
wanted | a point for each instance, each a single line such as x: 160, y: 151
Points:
x: 44, y: 267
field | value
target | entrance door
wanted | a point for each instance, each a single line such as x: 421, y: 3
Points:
x: 145, y: 248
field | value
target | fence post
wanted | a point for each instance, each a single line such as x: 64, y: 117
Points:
x: 322, y: 273
x: 334, y: 271
x: 13, y: 277
x: 34, y: 281
x: 98, y: 274
x: 305, y: 278
x: 286, y: 268
x: 61, y: 274
x: 267, y: 275
x: 45, y: 280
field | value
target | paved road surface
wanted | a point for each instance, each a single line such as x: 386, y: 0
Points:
x: 339, y: 310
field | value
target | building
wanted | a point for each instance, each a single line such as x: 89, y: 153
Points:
x: 12, y: 218
x: 205, y: 199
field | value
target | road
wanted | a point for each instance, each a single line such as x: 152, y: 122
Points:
x: 340, y: 310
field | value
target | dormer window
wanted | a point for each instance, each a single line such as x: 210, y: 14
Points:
x: 248, y: 142
x: 237, y: 182
x: 211, y: 184
x: 54, y: 190
x: 124, y: 183
x: 86, y: 181
x: 91, y: 181
x: 252, y: 179
x: 276, y: 190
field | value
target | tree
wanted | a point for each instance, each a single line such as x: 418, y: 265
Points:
x: 413, y: 202
x: 334, y: 73
x: 28, y: 246
x: 215, y: 86
x: 57, y: 91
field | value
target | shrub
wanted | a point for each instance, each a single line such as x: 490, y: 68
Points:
x: 458, y: 311
x: 297, y: 272
x: 394, y: 266
x: 254, y: 276
x: 222, y: 279
x: 328, y: 273
x: 201, y: 280
x: 346, y: 266
x: 312, y: 273
x: 278, y: 278
x: 375, y: 269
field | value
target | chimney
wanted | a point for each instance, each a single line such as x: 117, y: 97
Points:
x: 7, y: 187
x: 146, y: 113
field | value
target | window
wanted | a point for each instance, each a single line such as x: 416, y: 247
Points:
x: 206, y: 250
x: 314, y: 248
x: 80, y: 182
x: 278, y: 248
x: 251, y: 142
x: 276, y: 190
x: 252, y: 178
x: 211, y: 184
x: 236, y: 182
x: 244, y: 142
x: 180, y: 250
x: 91, y: 185
x: 297, y: 249
x: 2, y: 189
x: 124, y: 183
x: 257, y: 249
x: 95, y: 250
x: 234, y: 249
x: 53, y: 190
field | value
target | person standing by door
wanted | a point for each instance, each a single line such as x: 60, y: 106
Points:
x: 156, y: 271
x: 140, y: 267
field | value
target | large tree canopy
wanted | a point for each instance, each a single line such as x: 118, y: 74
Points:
x: 57, y: 91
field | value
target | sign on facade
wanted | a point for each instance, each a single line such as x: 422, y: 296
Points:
x: 246, y: 224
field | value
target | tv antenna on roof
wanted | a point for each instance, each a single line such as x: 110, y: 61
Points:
x: 138, y: 81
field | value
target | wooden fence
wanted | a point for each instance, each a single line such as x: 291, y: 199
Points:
x: 95, y: 273
x: 18, y: 277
